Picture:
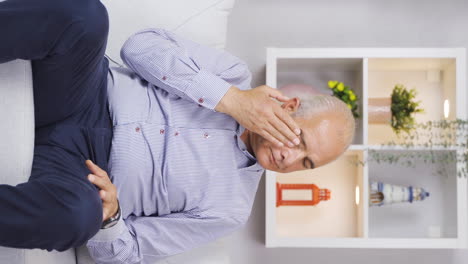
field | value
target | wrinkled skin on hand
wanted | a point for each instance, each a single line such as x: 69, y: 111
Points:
x: 257, y: 111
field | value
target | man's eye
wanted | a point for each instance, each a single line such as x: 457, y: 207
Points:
x: 308, y: 164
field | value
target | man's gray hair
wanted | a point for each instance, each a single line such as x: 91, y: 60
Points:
x: 316, y: 105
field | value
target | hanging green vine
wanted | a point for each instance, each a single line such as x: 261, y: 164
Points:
x: 443, y: 142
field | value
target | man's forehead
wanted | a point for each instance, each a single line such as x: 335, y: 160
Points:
x: 321, y: 141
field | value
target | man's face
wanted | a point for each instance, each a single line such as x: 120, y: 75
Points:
x: 318, y: 147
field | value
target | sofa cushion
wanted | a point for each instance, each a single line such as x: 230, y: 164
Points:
x: 17, y: 126
x: 203, y: 21
x: 36, y: 256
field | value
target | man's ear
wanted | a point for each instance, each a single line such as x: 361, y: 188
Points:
x: 291, y: 105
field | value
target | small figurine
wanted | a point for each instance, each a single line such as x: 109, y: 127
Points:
x: 384, y: 193
x: 315, y: 196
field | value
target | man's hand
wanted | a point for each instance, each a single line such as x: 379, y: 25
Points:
x: 108, y: 192
x: 256, y: 111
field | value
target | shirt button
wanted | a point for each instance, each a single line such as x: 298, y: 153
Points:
x: 199, y: 105
x: 137, y: 129
x: 201, y: 100
x: 161, y: 131
x: 164, y: 78
x: 176, y: 133
x: 206, y: 135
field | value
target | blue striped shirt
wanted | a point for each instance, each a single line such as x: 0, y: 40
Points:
x: 184, y: 176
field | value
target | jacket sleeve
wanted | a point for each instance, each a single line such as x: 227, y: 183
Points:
x: 192, y: 71
x: 149, y: 239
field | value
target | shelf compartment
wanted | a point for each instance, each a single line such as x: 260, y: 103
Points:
x: 317, y: 72
x: 434, y: 79
x: 286, y: 65
x: 434, y: 217
x: 343, y: 177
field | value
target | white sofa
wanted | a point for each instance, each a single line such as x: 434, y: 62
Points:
x: 204, y: 21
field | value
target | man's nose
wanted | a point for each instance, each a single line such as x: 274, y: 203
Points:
x: 287, y: 155
x: 284, y: 153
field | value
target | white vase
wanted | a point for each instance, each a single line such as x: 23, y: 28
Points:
x: 380, y: 111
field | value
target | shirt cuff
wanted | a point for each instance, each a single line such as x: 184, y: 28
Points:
x: 111, y: 233
x: 207, y: 89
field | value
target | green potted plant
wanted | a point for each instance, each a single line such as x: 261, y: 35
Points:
x: 403, y: 108
x: 345, y: 94
x: 398, y: 110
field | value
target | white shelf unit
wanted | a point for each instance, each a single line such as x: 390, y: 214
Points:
x: 363, y: 226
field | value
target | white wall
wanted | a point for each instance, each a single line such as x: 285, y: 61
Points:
x: 256, y: 24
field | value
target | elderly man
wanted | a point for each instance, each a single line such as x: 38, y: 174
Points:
x: 186, y: 174
x: 183, y: 137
